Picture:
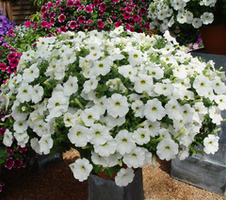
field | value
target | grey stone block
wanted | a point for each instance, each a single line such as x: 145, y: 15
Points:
x: 207, y: 172
x: 105, y: 189
x: 44, y: 162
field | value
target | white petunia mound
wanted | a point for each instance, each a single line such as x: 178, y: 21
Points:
x: 119, y: 98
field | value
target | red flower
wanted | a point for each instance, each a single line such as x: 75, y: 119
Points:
x: 96, y: 2
x: 61, y: 18
x: 45, y: 15
x: 44, y: 24
x: 11, y: 56
x: 118, y: 23
x: 102, y: 7
x: 89, y: 9
x: 9, y: 163
x: 3, y: 66
x: 13, y: 63
x: 11, y: 33
x: 136, y: 18
x: 9, y: 70
x: 81, y: 19
x: 100, y: 24
x: 126, y: 15
x: 17, y: 163
x: 147, y: 26
x: 21, y: 149
x: 27, y: 24
x: 73, y: 24
x: 51, y: 14
x: 70, y: 3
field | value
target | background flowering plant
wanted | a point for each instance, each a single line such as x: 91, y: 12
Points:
x: 78, y: 15
x: 119, y: 98
x: 186, y: 15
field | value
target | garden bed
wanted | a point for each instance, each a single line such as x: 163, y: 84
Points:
x: 59, y: 183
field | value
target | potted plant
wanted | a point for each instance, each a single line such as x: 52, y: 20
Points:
x: 185, y: 16
x: 119, y: 98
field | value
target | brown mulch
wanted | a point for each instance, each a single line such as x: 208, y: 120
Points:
x: 58, y: 183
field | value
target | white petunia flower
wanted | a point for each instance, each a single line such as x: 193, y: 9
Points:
x: 79, y: 135
x: 90, y: 84
x: 135, y: 57
x: 127, y: 71
x: 167, y: 149
x: 135, y: 158
x: 99, y: 134
x: 35, y: 145
x: 153, y: 110
x: 165, y: 89
x: 71, y: 86
x: 24, y: 92
x: 8, y: 138
x: 117, y: 105
x: 207, y: 18
x: 142, y: 136
x: 125, y: 143
x: 196, y: 22
x: 215, y: 115
x: 124, y: 177
x: 138, y: 108
x: 101, y: 67
x: 94, y: 55
x: 45, y: 144
x: 31, y: 73
x: 211, y: 144
x: 221, y: 101
x: 89, y: 116
x: 37, y: 93
x: 81, y: 169
x: 218, y: 86
x: 202, y: 85
x: 20, y: 126
x: 142, y: 83
x: 106, y: 149
x: 187, y: 112
x: 70, y: 120
x: 98, y: 160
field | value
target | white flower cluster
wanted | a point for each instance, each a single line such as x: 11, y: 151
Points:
x: 126, y: 97
x: 164, y: 14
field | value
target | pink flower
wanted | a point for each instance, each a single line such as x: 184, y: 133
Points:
x: 21, y: 149
x: 102, y: 7
x: 77, y: 3
x: 73, y: 24
x: 70, y: 3
x: 50, y: 5
x: 52, y: 14
x: 118, y: 23
x: 63, y: 29
x: 9, y: 163
x: 81, y: 19
x: 44, y: 24
x: 17, y: 163
x: 10, y: 151
x: 11, y: 56
x: 81, y: 7
x: 129, y: 9
x: 89, y: 9
x: 45, y: 15
x: 27, y: 24
x: 3, y: 66
x: 115, y: 1
x: 89, y: 21
x: 113, y: 15
x: 126, y: 15
x: 52, y: 20
x: 96, y: 2
x: 61, y: 18
x: 13, y: 63
x: 136, y: 18
x: 100, y: 24
x: 43, y: 9
x: 9, y: 70
x: 18, y: 55
x: 11, y: 33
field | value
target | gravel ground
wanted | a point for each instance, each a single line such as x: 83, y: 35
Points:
x: 58, y: 183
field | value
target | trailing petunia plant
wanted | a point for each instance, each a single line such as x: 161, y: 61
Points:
x: 79, y: 15
x: 120, y: 98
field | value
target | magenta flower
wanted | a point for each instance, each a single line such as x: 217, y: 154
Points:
x: 89, y: 9
x: 129, y: 9
x: 1, y: 186
x: 115, y: 1
x: 81, y: 19
x: 13, y: 63
x: 10, y: 151
x: 9, y: 70
x: 44, y: 24
x: 61, y: 18
x: 96, y: 2
x: 70, y: 3
x: 80, y: 8
x: 73, y: 24
x: 11, y: 56
x: 2, y: 130
x: 52, y: 20
x: 27, y: 24
x: 43, y: 9
x: 118, y: 23
x: 21, y: 149
x: 9, y: 163
x: 18, y: 55
x: 63, y: 29
x: 89, y: 21
x: 3, y: 66
x: 11, y: 33
x: 136, y: 18
x: 77, y: 3
x: 50, y: 5
x: 45, y: 15
x: 100, y: 24
x: 113, y: 15
x: 126, y: 15
x: 17, y: 163
x: 102, y: 7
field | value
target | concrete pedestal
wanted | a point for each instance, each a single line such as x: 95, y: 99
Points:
x: 209, y: 172
x: 100, y: 188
